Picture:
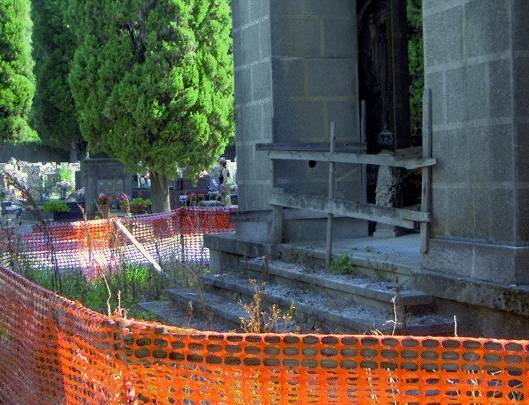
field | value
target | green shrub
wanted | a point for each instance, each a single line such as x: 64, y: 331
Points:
x: 416, y: 64
x: 343, y: 265
x: 66, y: 174
x: 140, y: 205
x: 134, y: 283
x: 55, y: 206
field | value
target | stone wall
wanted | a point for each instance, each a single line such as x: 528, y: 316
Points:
x: 31, y: 153
x: 477, y: 65
x: 315, y: 81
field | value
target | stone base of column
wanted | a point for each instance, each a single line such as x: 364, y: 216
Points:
x: 389, y: 194
x: 503, y: 264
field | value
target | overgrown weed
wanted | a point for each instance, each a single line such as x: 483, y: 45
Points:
x: 263, y: 320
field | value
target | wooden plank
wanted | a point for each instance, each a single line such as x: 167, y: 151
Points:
x: 350, y: 209
x: 310, y: 147
x: 276, y: 230
x: 331, y: 192
x: 353, y: 158
x: 406, y: 153
x: 363, y: 139
x: 138, y: 245
x: 363, y: 122
x: 426, y: 202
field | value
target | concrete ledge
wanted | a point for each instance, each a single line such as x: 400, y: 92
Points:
x: 502, y: 264
x: 513, y: 299
x: 381, y: 291
x: 228, y: 243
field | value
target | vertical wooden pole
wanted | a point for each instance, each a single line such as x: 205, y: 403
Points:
x: 426, y: 204
x: 363, y: 141
x: 330, y: 217
x: 276, y: 231
x: 363, y: 122
x: 182, y: 248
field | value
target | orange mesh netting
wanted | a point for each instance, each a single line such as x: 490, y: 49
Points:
x: 91, y: 245
x: 54, y: 351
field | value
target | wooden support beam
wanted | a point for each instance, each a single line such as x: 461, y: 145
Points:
x: 350, y: 209
x: 330, y: 216
x: 138, y: 245
x: 353, y: 158
x: 276, y: 230
x: 310, y: 147
x: 426, y: 202
x: 363, y: 140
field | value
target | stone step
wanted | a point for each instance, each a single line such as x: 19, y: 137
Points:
x: 316, y: 310
x: 209, y: 304
x: 368, y: 262
x: 364, y: 291
x: 211, y: 307
x: 176, y: 313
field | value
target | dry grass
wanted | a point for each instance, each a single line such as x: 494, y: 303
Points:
x: 262, y: 320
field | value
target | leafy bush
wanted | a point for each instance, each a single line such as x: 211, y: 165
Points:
x: 124, y: 203
x: 343, y: 265
x: 416, y: 64
x: 140, y: 205
x: 55, y: 206
x: 66, y: 175
x: 134, y: 283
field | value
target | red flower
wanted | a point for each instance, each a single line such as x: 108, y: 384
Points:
x: 103, y: 199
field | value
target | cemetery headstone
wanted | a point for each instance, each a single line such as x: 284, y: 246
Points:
x: 103, y: 176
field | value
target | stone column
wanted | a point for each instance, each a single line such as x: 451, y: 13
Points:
x: 477, y: 65
x: 295, y: 72
x: 253, y: 100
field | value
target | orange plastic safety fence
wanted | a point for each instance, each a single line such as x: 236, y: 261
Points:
x: 53, y: 351
x: 92, y: 245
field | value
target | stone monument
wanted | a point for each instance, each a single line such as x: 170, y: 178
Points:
x: 103, y: 176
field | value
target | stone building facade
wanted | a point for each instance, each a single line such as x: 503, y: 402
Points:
x: 296, y: 71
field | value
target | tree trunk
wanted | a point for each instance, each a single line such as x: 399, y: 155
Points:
x: 160, y: 193
x: 83, y: 150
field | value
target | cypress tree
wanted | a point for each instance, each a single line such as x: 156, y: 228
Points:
x: 416, y: 63
x: 53, y: 115
x: 153, y: 83
x: 17, y: 84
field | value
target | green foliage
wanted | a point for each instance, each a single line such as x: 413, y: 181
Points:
x: 343, y: 265
x: 17, y: 85
x: 135, y: 284
x: 66, y: 174
x: 416, y: 64
x: 55, y: 206
x: 53, y: 115
x: 140, y: 202
x: 153, y: 81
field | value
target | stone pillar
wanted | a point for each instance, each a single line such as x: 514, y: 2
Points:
x: 296, y: 71
x: 389, y: 193
x: 477, y: 65
x: 253, y: 100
